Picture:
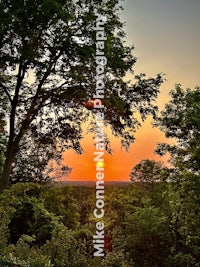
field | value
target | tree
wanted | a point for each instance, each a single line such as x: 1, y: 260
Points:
x: 60, y: 201
x: 2, y: 145
x: 180, y: 120
x: 149, y: 172
x: 148, y: 235
x: 38, y: 160
x: 3, y: 106
x: 48, y: 68
x: 31, y: 235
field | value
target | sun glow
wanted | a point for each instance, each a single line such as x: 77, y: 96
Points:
x: 100, y: 164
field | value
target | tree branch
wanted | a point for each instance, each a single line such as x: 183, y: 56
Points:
x: 6, y: 92
x: 20, y: 77
x: 33, y: 110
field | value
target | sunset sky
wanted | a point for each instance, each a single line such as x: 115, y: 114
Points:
x: 166, y: 37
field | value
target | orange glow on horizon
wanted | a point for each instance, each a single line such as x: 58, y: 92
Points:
x: 117, y: 166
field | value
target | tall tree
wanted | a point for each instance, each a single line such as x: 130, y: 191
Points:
x: 180, y: 120
x: 47, y: 53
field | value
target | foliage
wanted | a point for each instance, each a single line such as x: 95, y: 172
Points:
x: 180, y: 120
x: 116, y: 260
x: 36, y: 161
x: 53, y: 226
x: 60, y: 201
x: 149, y: 172
x: 48, y: 71
x: 153, y: 228
x: 144, y: 234
x: 47, y: 74
x: 4, y: 221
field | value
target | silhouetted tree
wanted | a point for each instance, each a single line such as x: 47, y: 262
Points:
x: 47, y: 54
x: 149, y: 172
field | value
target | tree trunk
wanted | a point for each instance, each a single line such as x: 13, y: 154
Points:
x: 7, y: 168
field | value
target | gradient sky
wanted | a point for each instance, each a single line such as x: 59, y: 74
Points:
x: 166, y: 37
